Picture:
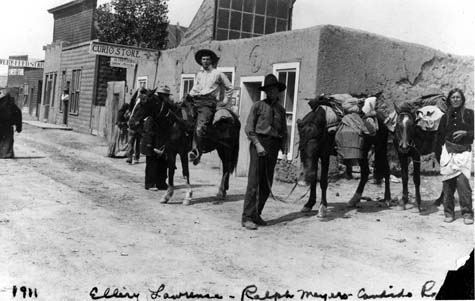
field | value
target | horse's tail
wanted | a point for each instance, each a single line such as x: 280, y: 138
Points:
x: 235, y: 147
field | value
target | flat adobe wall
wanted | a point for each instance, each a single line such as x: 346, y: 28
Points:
x: 352, y: 61
x: 250, y: 57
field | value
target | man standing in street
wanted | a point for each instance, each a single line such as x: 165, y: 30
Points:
x: 153, y: 140
x: 266, y: 128
x: 209, y: 90
x: 135, y: 131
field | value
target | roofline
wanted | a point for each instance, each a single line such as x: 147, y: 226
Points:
x: 63, y: 6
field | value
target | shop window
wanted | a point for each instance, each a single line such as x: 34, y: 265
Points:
x: 270, y: 25
x: 75, y: 92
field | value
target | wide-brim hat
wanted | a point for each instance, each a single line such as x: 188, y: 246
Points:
x: 270, y: 81
x: 206, y: 52
x: 164, y: 90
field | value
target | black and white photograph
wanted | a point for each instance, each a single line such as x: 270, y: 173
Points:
x: 237, y: 150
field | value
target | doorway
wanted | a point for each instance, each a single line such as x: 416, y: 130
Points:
x: 250, y: 93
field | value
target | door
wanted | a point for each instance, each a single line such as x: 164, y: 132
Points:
x: 48, y: 91
x: 114, y: 101
x: 250, y: 93
x: 38, y: 98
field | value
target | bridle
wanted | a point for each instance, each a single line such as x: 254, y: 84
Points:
x: 398, y: 134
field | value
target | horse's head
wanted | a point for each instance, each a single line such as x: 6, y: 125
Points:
x: 404, y: 131
x: 146, y: 104
x: 311, y: 131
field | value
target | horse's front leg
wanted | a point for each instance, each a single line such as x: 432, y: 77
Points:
x: 171, y: 159
x: 404, y: 160
x: 416, y: 162
x: 223, y: 186
x: 322, y: 210
x: 186, y: 175
x: 312, y: 199
x: 364, y: 168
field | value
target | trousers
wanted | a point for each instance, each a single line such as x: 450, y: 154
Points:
x: 133, y: 145
x: 260, y: 177
x: 462, y: 185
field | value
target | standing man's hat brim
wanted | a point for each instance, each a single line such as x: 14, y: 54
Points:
x: 164, y: 90
x: 206, y: 52
x: 271, y: 81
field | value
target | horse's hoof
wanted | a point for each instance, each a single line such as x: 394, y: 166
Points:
x: 354, y: 201
x: 401, y: 207
x: 221, y: 196
x: 322, y: 211
x: 186, y: 202
x: 305, y: 209
x: 164, y: 200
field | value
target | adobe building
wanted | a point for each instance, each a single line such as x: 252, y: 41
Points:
x: 238, y: 19
x: 320, y: 59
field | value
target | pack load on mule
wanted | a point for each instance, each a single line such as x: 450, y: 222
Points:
x: 415, y: 124
x: 428, y: 111
x: 357, y: 132
x: 350, y: 117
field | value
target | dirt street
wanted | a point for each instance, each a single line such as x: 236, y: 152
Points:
x: 72, y: 219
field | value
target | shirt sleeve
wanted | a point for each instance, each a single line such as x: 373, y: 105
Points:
x: 250, y: 128
x: 195, y: 90
x: 470, y: 123
x: 228, y: 87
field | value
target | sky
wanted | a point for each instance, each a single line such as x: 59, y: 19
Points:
x: 447, y: 25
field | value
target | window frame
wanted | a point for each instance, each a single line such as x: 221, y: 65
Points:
x: 229, y: 69
x: 275, y: 70
x: 186, y: 76
x: 75, y: 92
x: 140, y: 79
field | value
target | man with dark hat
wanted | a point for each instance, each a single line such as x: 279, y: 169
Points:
x: 210, y: 88
x: 151, y: 146
x: 266, y: 128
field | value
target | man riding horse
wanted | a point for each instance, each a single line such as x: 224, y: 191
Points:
x: 207, y: 93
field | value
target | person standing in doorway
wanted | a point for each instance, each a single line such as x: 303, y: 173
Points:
x: 65, y: 100
x: 266, y: 128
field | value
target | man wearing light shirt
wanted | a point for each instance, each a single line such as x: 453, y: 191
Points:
x: 211, y: 88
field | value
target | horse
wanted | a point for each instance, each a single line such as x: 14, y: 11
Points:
x: 10, y: 115
x: 411, y: 142
x: 223, y: 136
x: 174, y: 132
x: 316, y: 142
